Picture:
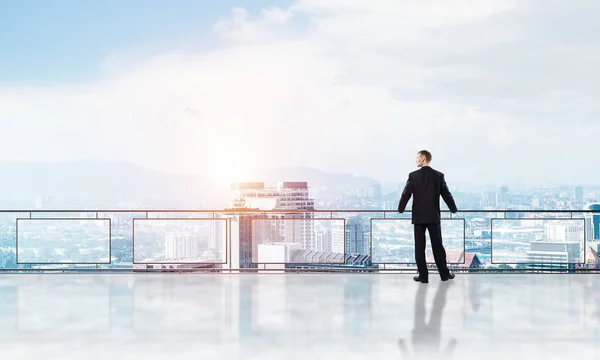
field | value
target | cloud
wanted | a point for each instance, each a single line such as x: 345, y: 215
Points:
x: 493, y: 88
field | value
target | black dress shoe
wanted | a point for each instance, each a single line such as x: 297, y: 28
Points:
x: 419, y: 279
x: 449, y: 277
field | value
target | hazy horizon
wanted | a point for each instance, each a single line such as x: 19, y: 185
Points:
x: 257, y: 176
x: 499, y: 91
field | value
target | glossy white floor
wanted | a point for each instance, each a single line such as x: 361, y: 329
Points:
x: 305, y: 316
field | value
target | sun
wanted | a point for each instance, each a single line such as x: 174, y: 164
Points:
x: 231, y: 171
x: 232, y: 165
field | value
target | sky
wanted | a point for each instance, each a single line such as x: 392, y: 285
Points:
x: 500, y: 91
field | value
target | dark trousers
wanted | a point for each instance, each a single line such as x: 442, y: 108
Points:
x: 439, y: 253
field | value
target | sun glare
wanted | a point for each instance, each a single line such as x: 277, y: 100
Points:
x: 232, y: 166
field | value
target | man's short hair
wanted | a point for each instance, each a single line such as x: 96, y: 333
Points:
x: 427, y: 155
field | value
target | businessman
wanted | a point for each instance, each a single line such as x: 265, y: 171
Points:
x: 426, y: 185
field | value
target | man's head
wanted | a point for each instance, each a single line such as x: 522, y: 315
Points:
x: 423, y: 158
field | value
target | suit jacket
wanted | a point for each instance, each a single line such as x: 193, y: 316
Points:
x: 426, y: 185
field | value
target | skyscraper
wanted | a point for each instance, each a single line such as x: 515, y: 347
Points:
x: 351, y: 239
x: 242, y: 247
x: 578, y: 193
x: 502, y: 198
x: 338, y: 238
x: 296, y: 228
x: 182, y: 247
x: 374, y: 191
x: 355, y: 237
x: 565, y: 233
x: 323, y: 240
x: 544, y: 254
x: 286, y: 196
x: 593, y: 221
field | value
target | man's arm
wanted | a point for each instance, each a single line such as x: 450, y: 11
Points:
x: 406, y: 194
x: 447, y: 196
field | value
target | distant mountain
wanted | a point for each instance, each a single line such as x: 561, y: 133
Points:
x: 95, y: 183
x: 314, y: 177
x: 114, y: 185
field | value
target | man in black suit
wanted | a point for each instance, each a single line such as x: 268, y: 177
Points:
x: 427, y: 184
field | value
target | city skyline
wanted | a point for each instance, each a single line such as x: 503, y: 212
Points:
x: 325, y: 232
x: 493, y: 89
x: 120, y: 185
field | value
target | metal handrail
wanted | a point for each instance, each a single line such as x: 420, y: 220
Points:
x: 279, y: 211
x: 295, y: 211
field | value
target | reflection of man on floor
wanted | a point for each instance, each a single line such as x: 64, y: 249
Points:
x: 426, y: 337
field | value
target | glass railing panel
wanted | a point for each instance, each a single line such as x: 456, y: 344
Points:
x: 358, y: 231
x: 393, y: 241
x: 538, y: 242
x: 121, y: 247
x: 180, y: 241
x: 477, y: 236
x: 298, y: 239
x: 8, y: 239
x: 48, y: 240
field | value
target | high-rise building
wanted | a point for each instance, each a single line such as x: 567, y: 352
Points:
x: 338, y: 237
x: 351, y: 239
x: 182, y: 246
x: 390, y: 205
x: 246, y: 246
x: 38, y: 203
x: 362, y: 192
x: 565, y: 233
x: 216, y: 235
x: 489, y: 199
x: 355, y: 237
x: 578, y: 193
x: 502, y: 198
x: 296, y: 228
x: 544, y: 254
x: 243, y: 250
x: 286, y: 196
x: 43, y: 202
x: 374, y: 191
x: 323, y: 240
x: 593, y: 221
